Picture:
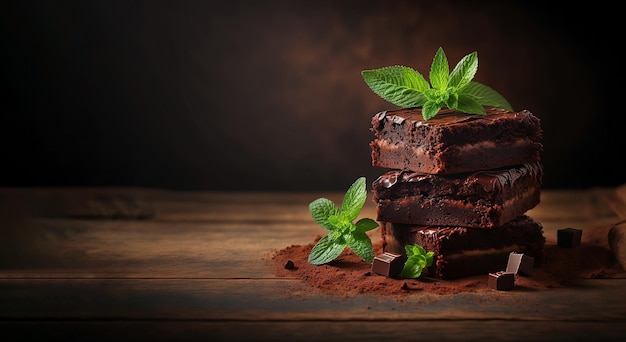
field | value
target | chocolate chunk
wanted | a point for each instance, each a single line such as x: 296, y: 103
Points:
x: 388, y: 264
x: 502, y: 281
x: 520, y: 263
x: 289, y: 265
x: 568, y: 237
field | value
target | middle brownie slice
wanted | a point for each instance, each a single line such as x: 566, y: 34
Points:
x: 481, y: 199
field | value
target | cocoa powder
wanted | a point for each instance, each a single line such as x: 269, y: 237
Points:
x: 349, y: 275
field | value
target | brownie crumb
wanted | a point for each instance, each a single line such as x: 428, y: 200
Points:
x: 289, y: 265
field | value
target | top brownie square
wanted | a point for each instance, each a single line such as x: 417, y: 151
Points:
x: 454, y: 142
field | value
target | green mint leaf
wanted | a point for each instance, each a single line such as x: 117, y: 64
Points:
x: 437, y: 96
x: 421, y: 99
x: 469, y: 104
x: 452, y: 101
x: 325, y: 251
x: 429, y: 258
x: 354, y: 199
x: 411, y: 270
x: 430, y: 109
x: 407, y: 88
x: 464, y: 71
x: 366, y: 224
x: 340, y: 224
x: 486, y: 95
x: 439, y: 71
x: 361, y: 245
x: 412, y: 250
x: 342, y: 231
x: 417, y: 260
x: 398, y: 84
x: 337, y: 236
x: 322, y: 209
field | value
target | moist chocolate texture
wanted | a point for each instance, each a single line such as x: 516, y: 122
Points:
x: 462, y: 251
x: 454, y: 142
x: 482, y: 199
x: 459, y: 186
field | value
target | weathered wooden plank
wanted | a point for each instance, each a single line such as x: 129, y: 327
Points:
x: 314, y: 331
x: 58, y: 248
x: 61, y: 247
x: 278, y: 299
x: 147, y: 249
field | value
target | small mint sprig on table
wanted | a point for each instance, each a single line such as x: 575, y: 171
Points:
x: 417, y: 260
x: 342, y: 231
x: 407, y: 88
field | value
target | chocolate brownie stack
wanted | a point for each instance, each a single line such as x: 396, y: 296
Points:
x: 459, y: 185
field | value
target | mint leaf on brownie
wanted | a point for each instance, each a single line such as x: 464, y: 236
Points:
x: 407, y: 88
x: 399, y: 85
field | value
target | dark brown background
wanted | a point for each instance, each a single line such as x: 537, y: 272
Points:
x: 267, y: 95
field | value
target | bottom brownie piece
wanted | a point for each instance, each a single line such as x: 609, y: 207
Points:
x: 461, y: 251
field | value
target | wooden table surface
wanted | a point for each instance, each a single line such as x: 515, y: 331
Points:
x: 151, y: 264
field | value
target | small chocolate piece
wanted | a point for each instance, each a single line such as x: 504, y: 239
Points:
x: 568, y: 237
x: 388, y: 264
x: 521, y: 264
x: 289, y: 265
x: 502, y: 281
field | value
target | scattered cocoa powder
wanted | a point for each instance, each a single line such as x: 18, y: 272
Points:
x: 349, y: 275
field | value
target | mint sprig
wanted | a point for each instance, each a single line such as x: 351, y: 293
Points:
x: 407, y: 88
x: 417, y: 260
x: 342, y: 231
